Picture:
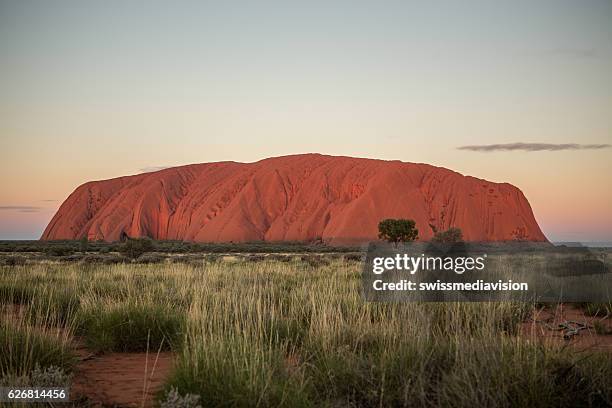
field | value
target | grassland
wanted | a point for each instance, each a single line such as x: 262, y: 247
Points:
x: 288, y: 332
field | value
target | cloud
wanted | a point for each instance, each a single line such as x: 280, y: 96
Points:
x: 576, y: 52
x: 48, y: 201
x: 20, y: 208
x: 152, y: 169
x: 533, y: 147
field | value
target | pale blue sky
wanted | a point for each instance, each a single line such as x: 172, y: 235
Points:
x: 94, y: 90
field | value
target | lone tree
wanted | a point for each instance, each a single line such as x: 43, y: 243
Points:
x: 83, y: 244
x: 449, y: 236
x: 395, y: 231
x: 134, y: 247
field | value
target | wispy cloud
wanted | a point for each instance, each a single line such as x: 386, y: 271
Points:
x: 20, y: 208
x: 574, y: 52
x: 152, y: 168
x: 533, y: 147
x: 48, y: 201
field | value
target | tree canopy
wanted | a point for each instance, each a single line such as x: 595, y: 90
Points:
x: 397, y: 230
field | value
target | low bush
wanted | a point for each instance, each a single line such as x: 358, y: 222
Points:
x: 93, y: 259
x: 106, y: 259
x: 50, y: 376
x: 59, y: 250
x: 212, y: 258
x: 280, y: 258
x: 13, y: 261
x: 175, y: 400
x: 131, y: 327
x: 255, y: 258
x: 47, y: 377
x: 114, y: 259
x: 135, y: 247
x: 353, y: 257
x: 315, y: 261
x: 450, y: 236
x: 71, y: 258
x: 150, y: 258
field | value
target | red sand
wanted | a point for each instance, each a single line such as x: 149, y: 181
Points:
x: 121, y: 379
x: 543, y: 320
x: 293, y: 198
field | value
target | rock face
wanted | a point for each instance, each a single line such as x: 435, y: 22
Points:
x: 339, y: 200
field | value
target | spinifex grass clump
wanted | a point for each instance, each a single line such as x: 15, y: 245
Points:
x: 288, y: 332
x: 12, y: 292
x: 24, y: 347
x: 236, y: 372
x: 54, y: 306
x: 39, y: 297
x: 597, y: 309
x: 131, y: 326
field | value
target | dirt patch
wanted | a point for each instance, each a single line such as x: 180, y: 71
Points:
x: 114, y: 379
x: 121, y: 379
x: 553, y: 326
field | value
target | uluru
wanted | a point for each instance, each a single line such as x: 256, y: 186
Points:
x: 308, y: 197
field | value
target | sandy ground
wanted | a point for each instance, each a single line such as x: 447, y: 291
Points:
x: 544, y: 326
x: 121, y: 379
x: 110, y: 380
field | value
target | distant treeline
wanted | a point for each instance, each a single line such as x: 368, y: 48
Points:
x: 66, y: 247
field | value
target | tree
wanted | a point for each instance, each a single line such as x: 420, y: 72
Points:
x: 83, y: 244
x: 449, y: 236
x: 134, y: 247
x: 399, y: 230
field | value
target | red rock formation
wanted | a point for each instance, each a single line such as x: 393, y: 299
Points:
x: 303, y: 197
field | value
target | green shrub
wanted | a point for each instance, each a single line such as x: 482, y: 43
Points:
x: 175, y: 400
x: 135, y: 247
x: 150, y: 258
x: 114, y: 259
x: 71, y: 258
x: 14, y: 261
x: 83, y: 244
x: 255, y: 258
x: 399, y: 230
x: 59, y: 250
x: 50, y: 376
x: 353, y: 257
x: 133, y: 327
x: 315, y: 261
x: 450, y: 236
x: 92, y: 259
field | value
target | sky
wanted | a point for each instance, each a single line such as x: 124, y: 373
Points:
x: 92, y: 90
